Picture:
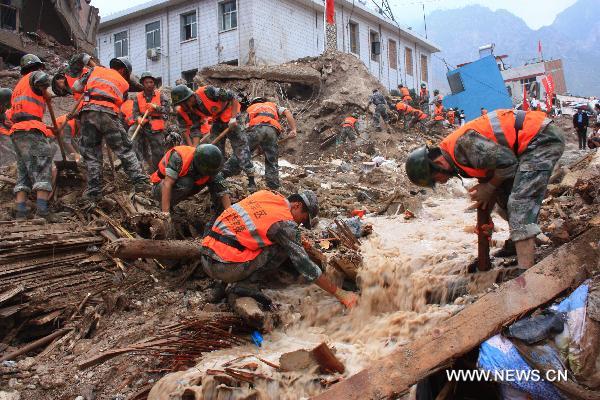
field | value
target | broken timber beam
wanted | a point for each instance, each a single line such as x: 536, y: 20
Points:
x: 391, y: 376
x: 146, y: 248
x: 273, y: 73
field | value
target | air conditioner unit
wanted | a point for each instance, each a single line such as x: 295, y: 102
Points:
x: 153, y: 54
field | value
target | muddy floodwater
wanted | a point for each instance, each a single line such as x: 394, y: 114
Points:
x: 407, y: 265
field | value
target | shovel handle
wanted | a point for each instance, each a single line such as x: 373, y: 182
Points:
x: 483, y: 240
x: 140, y: 125
x: 56, y: 131
x: 217, y: 139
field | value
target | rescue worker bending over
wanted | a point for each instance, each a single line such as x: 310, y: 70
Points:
x: 348, y: 131
x: 512, y: 153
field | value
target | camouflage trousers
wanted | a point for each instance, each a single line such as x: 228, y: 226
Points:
x: 7, y: 151
x: 264, y: 137
x: 379, y: 114
x: 521, y: 198
x: 239, y: 145
x: 149, y: 146
x: 267, y: 261
x: 183, y: 188
x: 34, y: 161
x: 345, y: 133
x: 95, y: 126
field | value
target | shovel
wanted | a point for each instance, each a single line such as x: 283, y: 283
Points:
x: 64, y: 165
x: 217, y: 139
x: 140, y: 125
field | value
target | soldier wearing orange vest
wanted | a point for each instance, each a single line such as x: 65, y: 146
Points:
x: 405, y: 112
x: 451, y: 116
x: 381, y: 107
x: 264, y: 131
x: 223, y: 108
x: 105, y: 90
x: 7, y: 152
x: 348, y: 131
x: 126, y: 114
x: 71, y: 134
x: 184, y: 171
x: 258, y: 234
x: 149, y: 141
x: 418, y: 117
x: 31, y: 138
x: 512, y: 153
x: 423, y: 97
x: 405, y: 94
x: 438, y: 117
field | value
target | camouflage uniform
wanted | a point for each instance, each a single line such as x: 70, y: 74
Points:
x: 196, y: 121
x: 185, y: 187
x: 97, y: 123
x: 526, y: 176
x: 285, y: 236
x: 381, y: 108
x: 345, y: 133
x: 34, y: 161
x: 72, y: 138
x: 239, y: 145
x: 149, y: 144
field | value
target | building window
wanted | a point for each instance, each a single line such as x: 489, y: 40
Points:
x: 354, y: 38
x: 228, y: 15
x: 424, y: 73
x: 153, y: 35
x: 375, y: 45
x: 121, y: 45
x: 455, y: 82
x: 189, y: 27
x: 393, y: 54
x: 188, y: 76
x: 408, y: 61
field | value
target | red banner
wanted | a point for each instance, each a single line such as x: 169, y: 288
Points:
x: 330, y: 11
x: 548, y: 83
x: 525, y: 106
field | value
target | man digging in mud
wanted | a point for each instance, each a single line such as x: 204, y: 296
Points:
x: 255, y: 236
x: 512, y: 154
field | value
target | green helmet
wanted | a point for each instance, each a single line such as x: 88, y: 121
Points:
x: 121, y: 62
x: 418, y: 167
x: 436, y: 91
x: 207, y: 159
x: 423, y: 85
x: 5, y: 96
x: 180, y: 93
x: 147, y: 74
x: 30, y: 62
x: 355, y: 115
x: 258, y: 100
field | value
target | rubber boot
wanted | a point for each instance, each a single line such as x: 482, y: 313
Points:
x: 508, y: 250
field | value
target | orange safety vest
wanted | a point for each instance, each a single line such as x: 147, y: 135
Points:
x: 438, y: 113
x: 206, y: 126
x: 4, y: 127
x: 60, y: 121
x: 187, y: 156
x: 28, y: 109
x: 71, y: 82
x: 264, y: 114
x: 188, y: 121
x: 106, y: 88
x: 450, y: 116
x: 424, y: 93
x: 422, y: 115
x: 499, y: 126
x: 402, y: 107
x: 349, y: 122
x: 214, y: 109
x: 157, y: 123
x: 127, y: 112
x: 240, y: 232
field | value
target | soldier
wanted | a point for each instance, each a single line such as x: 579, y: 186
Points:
x: 418, y: 117
x: 380, y: 103
x: 424, y: 98
x: 222, y: 108
x: 126, y: 115
x: 105, y: 90
x: 438, y: 117
x: 31, y: 138
x: 149, y: 140
x: 512, y: 153
x: 7, y: 152
x: 71, y: 134
x: 263, y: 132
x: 184, y: 171
x: 348, y: 131
x: 405, y: 93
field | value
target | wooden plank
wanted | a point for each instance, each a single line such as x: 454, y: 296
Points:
x: 10, y: 293
x: 393, y: 375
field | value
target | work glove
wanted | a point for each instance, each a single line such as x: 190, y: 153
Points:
x: 483, y: 195
x: 348, y: 299
x: 233, y: 123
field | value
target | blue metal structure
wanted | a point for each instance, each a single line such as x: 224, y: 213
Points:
x: 475, y: 85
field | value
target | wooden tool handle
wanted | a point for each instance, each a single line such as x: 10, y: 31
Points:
x: 56, y: 131
x: 140, y: 125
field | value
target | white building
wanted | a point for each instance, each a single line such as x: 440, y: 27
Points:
x: 175, y: 38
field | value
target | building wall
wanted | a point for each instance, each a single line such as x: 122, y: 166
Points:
x: 513, y: 77
x: 555, y: 68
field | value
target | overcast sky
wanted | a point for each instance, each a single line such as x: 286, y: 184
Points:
x: 536, y: 13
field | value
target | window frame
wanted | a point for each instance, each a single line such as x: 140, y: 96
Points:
x: 357, y: 38
x: 153, y: 32
x: 121, y: 41
x: 408, y: 51
x: 393, y: 61
x: 374, y: 57
x: 194, y: 25
x: 222, y: 15
x: 424, y: 70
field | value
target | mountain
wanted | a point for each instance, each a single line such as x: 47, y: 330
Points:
x: 573, y: 37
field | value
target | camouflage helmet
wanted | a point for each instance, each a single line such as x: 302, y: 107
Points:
x: 180, y: 93
x: 423, y: 85
x: 258, y: 100
x: 435, y: 91
x: 79, y: 60
x: 39, y: 79
x: 5, y: 97
x: 172, y: 139
x: 120, y: 62
x: 30, y: 62
x: 418, y: 167
x: 147, y: 74
x: 208, y: 159
x: 311, y: 202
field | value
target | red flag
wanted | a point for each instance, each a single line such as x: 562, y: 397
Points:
x: 525, y: 106
x: 330, y: 11
x: 540, y: 46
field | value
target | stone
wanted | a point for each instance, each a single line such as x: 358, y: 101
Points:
x: 11, y: 395
x: 296, y: 360
x: 26, y: 363
x: 248, y: 309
